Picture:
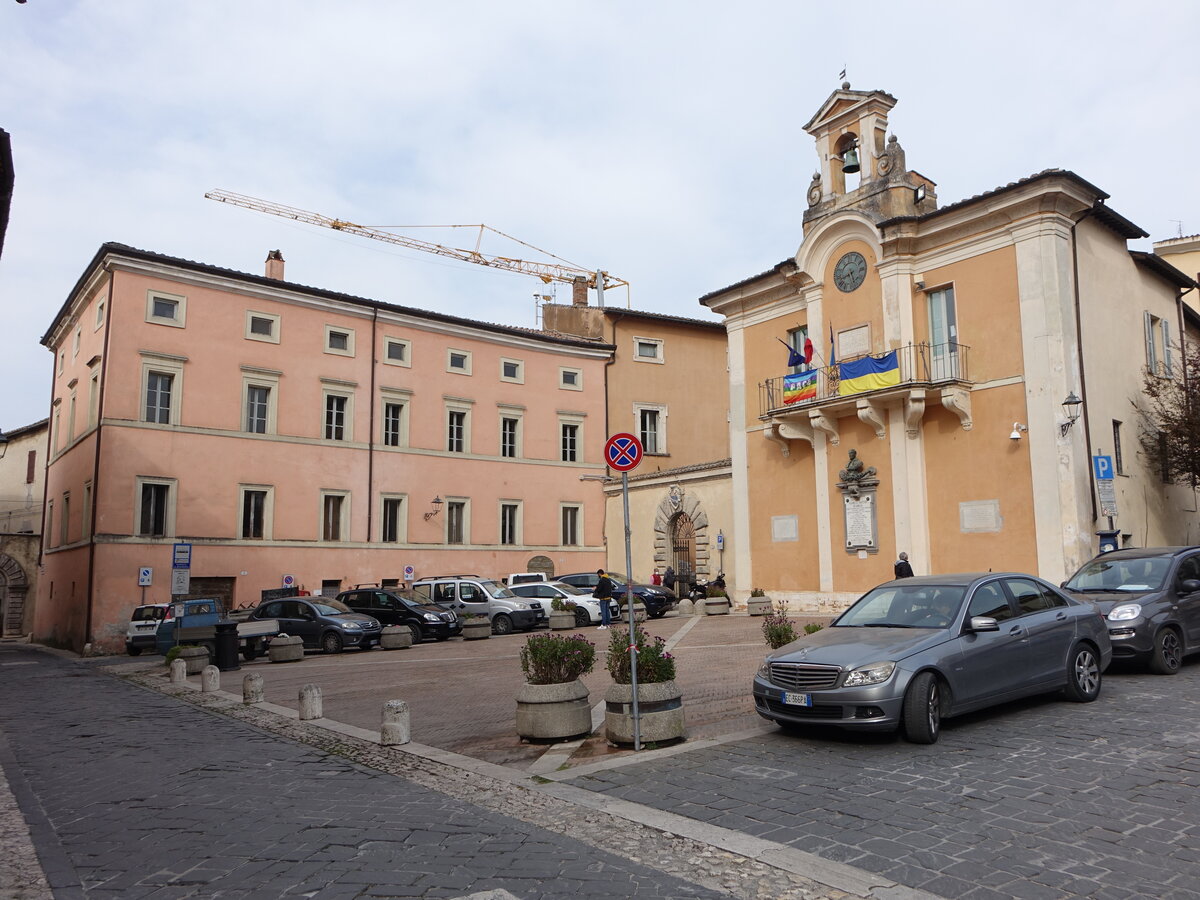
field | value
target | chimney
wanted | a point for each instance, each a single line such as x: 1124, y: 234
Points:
x: 579, y: 291
x: 275, y: 265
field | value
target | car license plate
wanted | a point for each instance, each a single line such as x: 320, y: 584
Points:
x: 797, y: 699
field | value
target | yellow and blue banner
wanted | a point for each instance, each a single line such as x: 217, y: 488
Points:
x: 798, y: 388
x: 869, y: 374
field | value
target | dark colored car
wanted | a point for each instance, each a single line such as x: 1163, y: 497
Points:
x: 657, y: 601
x: 423, y: 619
x: 914, y: 651
x: 1151, y: 599
x: 320, y: 622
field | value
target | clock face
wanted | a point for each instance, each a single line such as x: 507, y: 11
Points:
x: 849, y: 272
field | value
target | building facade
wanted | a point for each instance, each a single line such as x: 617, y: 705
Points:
x: 296, y: 435
x: 22, y: 484
x: 967, y: 364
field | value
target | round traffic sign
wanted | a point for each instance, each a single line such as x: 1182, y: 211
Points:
x: 623, y: 452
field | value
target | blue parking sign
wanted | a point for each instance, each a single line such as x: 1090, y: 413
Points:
x: 1102, y: 467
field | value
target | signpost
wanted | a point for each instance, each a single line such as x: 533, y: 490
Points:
x: 1102, y: 468
x: 181, y: 565
x: 623, y: 452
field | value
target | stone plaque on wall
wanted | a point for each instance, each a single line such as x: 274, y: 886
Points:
x: 979, y: 516
x: 854, y: 342
x: 785, y: 528
x: 860, y: 521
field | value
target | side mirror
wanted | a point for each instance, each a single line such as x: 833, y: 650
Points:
x: 1189, y: 586
x: 983, y: 623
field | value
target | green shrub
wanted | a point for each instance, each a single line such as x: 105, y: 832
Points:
x: 758, y: 592
x: 173, y: 653
x: 654, y: 663
x: 556, y: 658
x: 557, y: 605
x: 778, y: 629
x: 812, y: 628
x: 714, y: 591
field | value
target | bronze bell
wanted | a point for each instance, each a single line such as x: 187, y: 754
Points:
x: 850, y: 161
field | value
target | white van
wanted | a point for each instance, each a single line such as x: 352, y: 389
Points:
x: 472, y: 595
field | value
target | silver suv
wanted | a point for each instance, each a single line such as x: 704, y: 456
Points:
x: 471, y: 595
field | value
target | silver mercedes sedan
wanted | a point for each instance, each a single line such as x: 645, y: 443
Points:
x: 914, y: 651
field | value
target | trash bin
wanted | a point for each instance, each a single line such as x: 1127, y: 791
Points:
x: 227, y: 646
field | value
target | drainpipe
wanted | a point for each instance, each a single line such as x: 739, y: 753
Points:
x: 1087, y: 431
x: 91, y: 579
x: 371, y: 435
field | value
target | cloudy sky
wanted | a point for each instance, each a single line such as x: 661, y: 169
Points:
x: 661, y: 141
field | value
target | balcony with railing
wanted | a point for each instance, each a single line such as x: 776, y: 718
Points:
x: 792, y: 407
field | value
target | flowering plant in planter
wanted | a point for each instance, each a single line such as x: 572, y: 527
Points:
x: 778, y: 629
x: 557, y: 658
x: 655, y: 664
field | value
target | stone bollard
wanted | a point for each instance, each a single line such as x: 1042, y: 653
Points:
x: 396, y: 637
x: 685, y: 607
x: 210, y: 679
x: 310, y: 702
x: 252, y: 689
x: 396, y: 728
x: 178, y: 672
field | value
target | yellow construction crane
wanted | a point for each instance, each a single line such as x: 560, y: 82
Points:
x: 563, y: 271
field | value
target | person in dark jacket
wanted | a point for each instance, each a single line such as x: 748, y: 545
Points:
x: 902, y: 568
x: 669, y: 580
x: 603, y: 593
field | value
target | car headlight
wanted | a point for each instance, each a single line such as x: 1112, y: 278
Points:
x: 352, y: 626
x: 874, y: 673
x: 1125, y: 612
x: 764, y: 671
x: 431, y: 617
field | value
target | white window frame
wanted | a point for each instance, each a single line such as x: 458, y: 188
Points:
x: 657, y: 343
x: 458, y: 405
x: 172, y: 486
x: 661, y: 448
x: 336, y: 389
x: 86, y: 524
x: 563, y: 371
x: 1158, y: 345
x: 263, y: 379
x: 577, y: 421
x: 577, y: 508
x: 343, y: 517
x: 71, y: 402
x: 275, y: 320
x: 165, y: 364
x: 404, y: 399
x: 518, y: 522
x: 100, y: 307
x: 519, y: 378
x: 93, y: 398
x: 455, y: 370
x: 337, y: 351
x: 401, y: 519
x: 62, y: 361
x: 64, y: 521
x: 75, y: 343
x: 180, y: 318
x: 268, y: 524
x: 406, y: 361
x: 519, y: 416
x: 466, y: 521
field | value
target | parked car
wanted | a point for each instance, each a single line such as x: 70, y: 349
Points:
x: 390, y: 608
x: 524, y: 578
x: 657, y: 601
x: 322, y: 622
x: 1151, y: 600
x: 472, y: 595
x: 587, y: 607
x: 142, y: 630
x: 914, y: 651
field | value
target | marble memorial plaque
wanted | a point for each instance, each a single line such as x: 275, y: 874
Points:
x: 979, y: 516
x: 860, y: 521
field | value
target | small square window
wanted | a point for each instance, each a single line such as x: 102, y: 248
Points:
x: 512, y: 371
x: 648, y: 350
x: 458, y: 361
x: 397, y: 352
x: 262, y: 327
x: 570, y: 379
x: 339, y: 341
x: 165, y: 309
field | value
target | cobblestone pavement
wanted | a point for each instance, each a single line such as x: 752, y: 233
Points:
x: 131, y: 794
x: 1037, y: 799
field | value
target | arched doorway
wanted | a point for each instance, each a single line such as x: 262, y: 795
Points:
x: 683, y: 548
x: 13, y: 589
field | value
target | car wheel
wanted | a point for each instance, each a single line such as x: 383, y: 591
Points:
x: 582, y: 618
x: 1083, y: 675
x: 502, y: 624
x: 417, y: 634
x: 134, y: 651
x: 922, y: 710
x: 250, y: 651
x: 1168, y: 653
x: 331, y: 642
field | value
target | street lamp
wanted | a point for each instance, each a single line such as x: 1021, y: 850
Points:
x: 1071, y: 407
x: 437, y: 508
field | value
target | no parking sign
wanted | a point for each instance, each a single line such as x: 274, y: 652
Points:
x: 289, y: 580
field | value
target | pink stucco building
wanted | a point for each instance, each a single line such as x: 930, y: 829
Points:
x: 284, y: 430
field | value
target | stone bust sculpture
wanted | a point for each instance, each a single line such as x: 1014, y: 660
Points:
x: 855, y: 472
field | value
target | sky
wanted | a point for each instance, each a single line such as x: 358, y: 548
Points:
x: 660, y: 141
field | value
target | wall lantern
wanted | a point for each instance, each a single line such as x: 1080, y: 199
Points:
x: 1018, y: 430
x: 1071, y: 407
x: 437, y: 508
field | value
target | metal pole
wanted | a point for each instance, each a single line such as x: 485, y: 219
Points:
x: 637, y: 721
x: 600, y: 291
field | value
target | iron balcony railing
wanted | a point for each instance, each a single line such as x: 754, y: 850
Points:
x: 919, y: 364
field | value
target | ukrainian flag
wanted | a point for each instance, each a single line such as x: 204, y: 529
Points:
x: 797, y: 388
x: 869, y: 374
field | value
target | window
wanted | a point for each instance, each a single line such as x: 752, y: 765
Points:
x: 165, y: 309
x: 155, y: 507
x: 512, y: 370
x: 570, y: 379
x: 458, y: 361
x: 258, y: 403
x: 651, y: 427
x: 397, y: 352
x: 262, y: 327
x: 86, y: 525
x: 509, y: 523
x: 509, y: 436
x: 65, y: 522
x: 93, y: 398
x: 648, y: 350
x: 392, y: 519
x: 989, y: 600
x: 1158, y: 345
x: 158, y: 397
x: 570, y: 441
x: 75, y: 343
x: 255, y: 508
x: 62, y: 361
x: 1031, y: 597
x: 796, y: 340
x: 570, y: 525
x: 99, y: 314
x: 50, y: 523
x: 1118, y: 459
x: 259, y: 393
x: 393, y: 423
x: 456, y: 431
x: 456, y: 522
x: 71, y: 418
x: 338, y: 415
x: 334, y: 507
x: 339, y: 341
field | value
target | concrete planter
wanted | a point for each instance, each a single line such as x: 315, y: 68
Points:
x: 476, y: 629
x: 660, y: 711
x: 561, y: 620
x: 716, y: 606
x: 759, y: 606
x: 396, y: 637
x: 195, y: 658
x: 286, y: 649
x: 553, y: 712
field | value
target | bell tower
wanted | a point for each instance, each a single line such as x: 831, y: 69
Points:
x: 860, y: 166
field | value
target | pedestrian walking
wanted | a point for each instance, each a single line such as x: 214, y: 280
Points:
x: 902, y: 568
x: 603, y: 593
x: 669, y: 580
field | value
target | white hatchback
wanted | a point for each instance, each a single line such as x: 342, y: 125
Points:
x: 143, y: 627
x: 587, y: 607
